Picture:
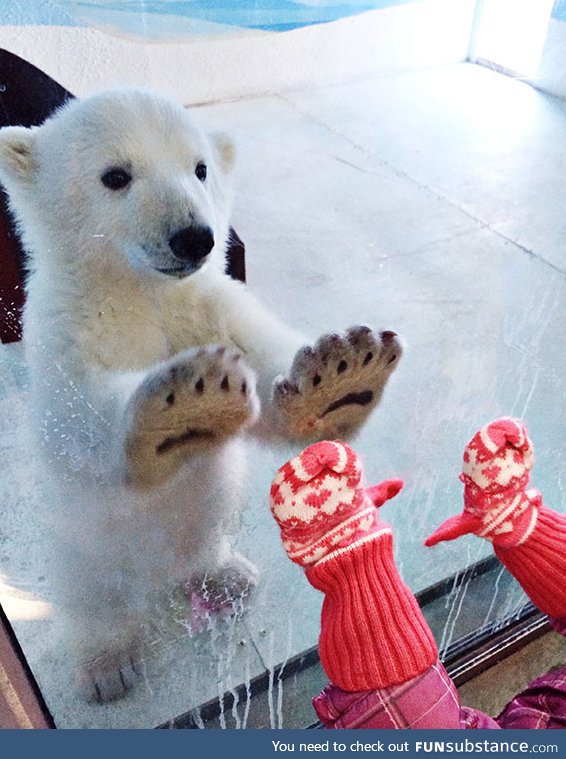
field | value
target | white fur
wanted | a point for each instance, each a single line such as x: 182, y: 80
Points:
x: 100, y: 321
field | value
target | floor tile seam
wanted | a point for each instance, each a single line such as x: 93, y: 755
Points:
x: 383, y: 163
x: 480, y: 226
x: 418, y: 184
x: 529, y: 252
x: 428, y: 247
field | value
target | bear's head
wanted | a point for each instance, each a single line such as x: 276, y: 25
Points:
x: 124, y: 176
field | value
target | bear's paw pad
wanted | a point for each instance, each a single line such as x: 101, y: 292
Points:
x: 333, y: 386
x: 198, y: 398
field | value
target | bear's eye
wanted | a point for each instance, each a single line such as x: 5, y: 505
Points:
x: 116, y: 178
x: 200, y: 171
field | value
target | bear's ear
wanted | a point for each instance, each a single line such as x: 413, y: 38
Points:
x: 225, y: 150
x: 17, y: 154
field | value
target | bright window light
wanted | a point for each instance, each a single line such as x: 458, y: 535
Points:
x: 510, y: 34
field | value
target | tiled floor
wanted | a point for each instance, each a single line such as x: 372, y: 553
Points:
x: 431, y: 204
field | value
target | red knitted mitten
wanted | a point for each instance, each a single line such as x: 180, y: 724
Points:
x: 497, y: 506
x: 319, y: 504
x: 373, y: 634
x: 528, y: 538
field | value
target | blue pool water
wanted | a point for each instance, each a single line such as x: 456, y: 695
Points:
x: 559, y: 10
x: 271, y: 15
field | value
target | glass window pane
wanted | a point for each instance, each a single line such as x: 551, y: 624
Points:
x: 373, y: 188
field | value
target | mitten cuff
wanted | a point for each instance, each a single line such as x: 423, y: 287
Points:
x: 373, y: 633
x: 539, y: 563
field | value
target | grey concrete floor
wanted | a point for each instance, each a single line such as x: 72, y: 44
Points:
x: 431, y: 204
x: 496, y: 687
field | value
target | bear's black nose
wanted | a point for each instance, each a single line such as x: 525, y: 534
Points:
x: 192, y: 243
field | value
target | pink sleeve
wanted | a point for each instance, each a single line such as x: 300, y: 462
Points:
x: 558, y: 625
x: 429, y: 700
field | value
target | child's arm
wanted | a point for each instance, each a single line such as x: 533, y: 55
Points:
x: 528, y: 538
x: 375, y: 644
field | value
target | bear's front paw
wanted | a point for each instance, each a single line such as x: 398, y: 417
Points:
x: 333, y: 386
x: 197, y: 399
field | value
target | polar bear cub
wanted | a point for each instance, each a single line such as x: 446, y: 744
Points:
x: 148, y: 363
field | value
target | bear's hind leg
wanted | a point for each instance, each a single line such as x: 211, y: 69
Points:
x: 106, y: 638
x: 221, y: 592
x: 110, y: 674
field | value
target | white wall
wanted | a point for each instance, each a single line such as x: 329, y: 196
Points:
x: 195, y: 70
x: 552, y: 70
